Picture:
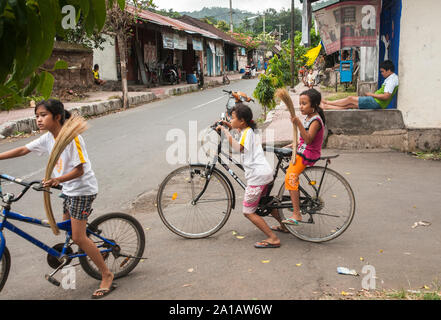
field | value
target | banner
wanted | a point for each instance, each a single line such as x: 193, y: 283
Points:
x: 197, y: 44
x: 167, y: 40
x: 349, y: 24
x: 180, y: 42
x: 219, y: 50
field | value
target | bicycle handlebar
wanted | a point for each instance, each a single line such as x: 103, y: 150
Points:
x: 26, y: 185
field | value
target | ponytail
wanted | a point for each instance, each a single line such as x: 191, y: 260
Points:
x: 315, y: 98
x: 244, y: 112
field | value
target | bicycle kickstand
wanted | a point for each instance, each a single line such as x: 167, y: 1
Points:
x: 50, y: 277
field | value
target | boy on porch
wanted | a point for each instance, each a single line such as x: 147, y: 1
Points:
x: 378, y: 100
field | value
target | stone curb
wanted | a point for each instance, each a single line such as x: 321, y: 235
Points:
x: 28, y: 124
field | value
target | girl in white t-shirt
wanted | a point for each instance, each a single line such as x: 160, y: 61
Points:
x: 74, y: 172
x: 258, y: 172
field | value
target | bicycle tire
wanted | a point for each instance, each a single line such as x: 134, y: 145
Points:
x: 5, y: 266
x: 308, y: 231
x: 178, y: 216
x: 121, y: 265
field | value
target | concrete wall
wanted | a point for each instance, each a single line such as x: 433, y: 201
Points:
x: 106, y: 59
x: 420, y: 65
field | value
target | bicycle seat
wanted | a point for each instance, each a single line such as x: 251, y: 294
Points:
x: 283, y: 152
x: 329, y: 157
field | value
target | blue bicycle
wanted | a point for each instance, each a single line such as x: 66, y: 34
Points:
x: 119, y: 237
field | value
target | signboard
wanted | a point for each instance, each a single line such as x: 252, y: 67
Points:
x: 180, y: 42
x: 197, y: 44
x: 349, y: 24
x: 167, y: 40
x: 219, y: 50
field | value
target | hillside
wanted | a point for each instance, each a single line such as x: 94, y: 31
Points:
x: 219, y: 13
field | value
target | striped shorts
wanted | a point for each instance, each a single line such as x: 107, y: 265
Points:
x: 78, y: 207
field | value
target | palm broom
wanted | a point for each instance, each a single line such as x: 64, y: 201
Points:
x: 73, y: 126
x: 283, y: 95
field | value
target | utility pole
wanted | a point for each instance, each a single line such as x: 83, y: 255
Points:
x: 292, y: 46
x: 231, y: 16
x: 280, y: 32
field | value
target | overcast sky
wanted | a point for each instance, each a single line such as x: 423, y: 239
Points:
x: 248, y: 5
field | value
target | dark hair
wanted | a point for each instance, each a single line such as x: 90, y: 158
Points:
x: 243, y: 112
x: 55, y: 107
x: 315, y: 98
x: 387, y: 65
x: 95, y: 67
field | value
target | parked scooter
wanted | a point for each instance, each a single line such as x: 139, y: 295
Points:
x: 171, y: 74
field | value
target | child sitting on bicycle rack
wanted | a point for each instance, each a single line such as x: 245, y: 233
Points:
x: 258, y: 172
x: 74, y: 172
x: 309, y: 147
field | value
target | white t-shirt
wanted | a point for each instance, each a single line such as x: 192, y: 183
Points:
x: 390, y: 83
x: 257, y: 169
x: 74, y: 154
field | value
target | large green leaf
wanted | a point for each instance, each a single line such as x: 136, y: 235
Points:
x: 99, y: 11
x: 122, y: 4
x: 60, y: 64
x: 46, y: 84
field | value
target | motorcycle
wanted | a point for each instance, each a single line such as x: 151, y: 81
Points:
x: 234, y: 98
x: 171, y: 74
x: 250, y: 72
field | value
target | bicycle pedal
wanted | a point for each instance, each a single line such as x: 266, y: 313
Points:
x: 52, y: 280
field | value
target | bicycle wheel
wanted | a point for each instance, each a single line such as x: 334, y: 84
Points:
x: 194, y: 220
x: 331, y: 211
x: 5, y: 265
x: 128, y: 235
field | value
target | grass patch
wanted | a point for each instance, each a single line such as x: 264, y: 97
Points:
x: 340, y: 95
x: 428, y: 155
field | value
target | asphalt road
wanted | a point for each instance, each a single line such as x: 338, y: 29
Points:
x: 128, y: 153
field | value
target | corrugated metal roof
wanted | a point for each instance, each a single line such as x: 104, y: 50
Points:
x: 169, y: 22
x: 210, y: 28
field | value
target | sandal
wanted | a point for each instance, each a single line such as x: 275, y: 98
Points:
x: 102, y: 292
x: 279, y: 229
x: 291, y: 222
x: 266, y: 244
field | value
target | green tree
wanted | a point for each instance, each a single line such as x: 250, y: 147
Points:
x: 27, y: 32
x: 223, y: 26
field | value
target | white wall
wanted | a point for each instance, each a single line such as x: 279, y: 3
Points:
x: 420, y: 64
x: 106, y: 59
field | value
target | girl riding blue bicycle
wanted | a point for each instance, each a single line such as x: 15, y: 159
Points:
x: 74, y: 172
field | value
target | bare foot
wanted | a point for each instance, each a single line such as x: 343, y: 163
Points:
x: 106, y: 280
x: 282, y: 229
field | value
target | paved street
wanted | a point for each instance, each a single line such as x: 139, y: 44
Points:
x: 127, y: 150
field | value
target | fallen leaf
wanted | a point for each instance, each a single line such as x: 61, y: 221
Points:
x: 348, y: 173
x: 344, y: 293
x: 240, y: 237
x: 234, y: 233
x: 426, y: 287
x: 147, y: 229
x: 186, y: 285
x: 298, y: 264
x: 190, y: 270
x: 381, y: 251
x: 266, y: 261
x: 361, y: 259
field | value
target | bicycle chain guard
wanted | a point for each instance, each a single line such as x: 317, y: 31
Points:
x: 54, y: 262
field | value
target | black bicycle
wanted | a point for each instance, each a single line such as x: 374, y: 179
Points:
x: 195, y: 201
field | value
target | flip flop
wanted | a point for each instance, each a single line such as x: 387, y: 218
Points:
x: 104, y: 291
x: 279, y: 229
x: 264, y: 244
x: 291, y: 222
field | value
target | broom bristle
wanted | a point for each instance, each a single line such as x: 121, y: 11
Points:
x: 71, y: 129
x: 283, y: 95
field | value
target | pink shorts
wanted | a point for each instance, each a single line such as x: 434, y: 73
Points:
x: 252, y: 197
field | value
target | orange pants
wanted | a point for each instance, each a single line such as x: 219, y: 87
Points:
x: 293, y: 173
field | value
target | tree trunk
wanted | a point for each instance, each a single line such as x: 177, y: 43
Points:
x: 123, y: 61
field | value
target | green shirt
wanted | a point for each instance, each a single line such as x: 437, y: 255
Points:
x: 390, y: 85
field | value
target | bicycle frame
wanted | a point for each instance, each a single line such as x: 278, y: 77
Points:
x: 65, y: 226
x: 285, y: 203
